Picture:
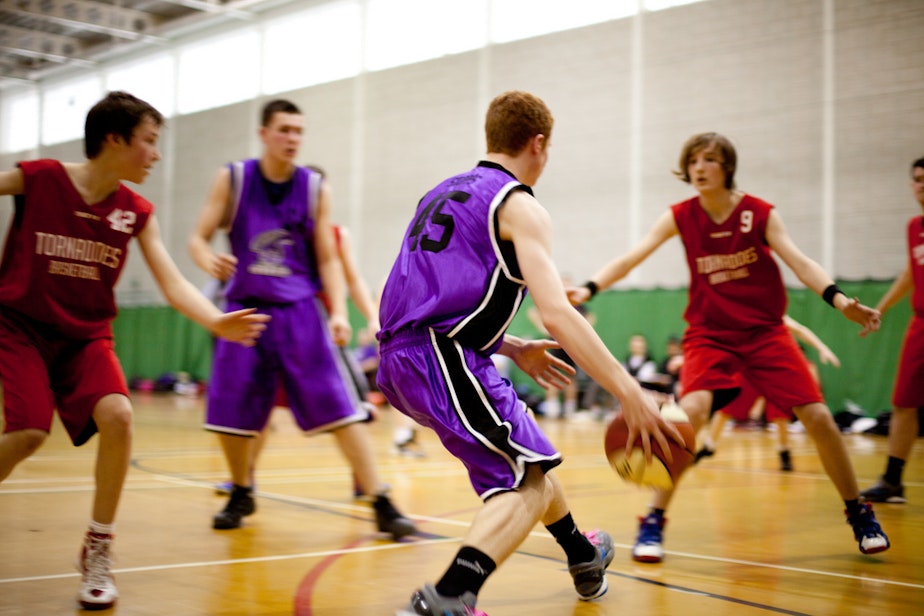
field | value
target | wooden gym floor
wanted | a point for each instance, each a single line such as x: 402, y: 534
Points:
x: 743, y: 538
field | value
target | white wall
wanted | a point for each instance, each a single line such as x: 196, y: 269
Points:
x: 824, y: 99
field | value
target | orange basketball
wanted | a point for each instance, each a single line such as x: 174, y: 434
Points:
x: 660, y: 473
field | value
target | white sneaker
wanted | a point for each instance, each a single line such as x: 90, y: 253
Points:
x: 97, y: 588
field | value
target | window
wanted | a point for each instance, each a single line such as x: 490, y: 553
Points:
x: 65, y: 108
x: 395, y: 36
x: 150, y: 79
x: 19, y: 121
x: 315, y: 46
x: 513, y: 20
x: 218, y: 71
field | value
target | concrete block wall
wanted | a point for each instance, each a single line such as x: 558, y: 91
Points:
x: 824, y: 99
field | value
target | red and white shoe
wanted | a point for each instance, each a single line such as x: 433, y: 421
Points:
x: 97, y: 588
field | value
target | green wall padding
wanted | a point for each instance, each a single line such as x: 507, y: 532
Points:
x: 868, y: 364
x: 153, y: 340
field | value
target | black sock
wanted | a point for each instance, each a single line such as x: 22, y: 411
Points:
x: 853, y: 507
x: 576, y: 546
x: 656, y: 511
x: 467, y: 573
x: 894, y: 469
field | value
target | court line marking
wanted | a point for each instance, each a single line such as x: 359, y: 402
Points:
x: 330, y: 505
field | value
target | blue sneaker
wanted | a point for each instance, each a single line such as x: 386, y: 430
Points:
x: 867, y: 532
x: 590, y: 577
x: 648, y: 544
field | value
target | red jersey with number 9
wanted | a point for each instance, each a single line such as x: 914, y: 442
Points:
x: 63, y: 257
x: 735, y: 282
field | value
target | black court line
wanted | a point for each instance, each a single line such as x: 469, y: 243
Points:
x: 344, y: 514
x: 137, y: 464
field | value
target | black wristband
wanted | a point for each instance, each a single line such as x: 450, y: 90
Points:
x: 592, y: 287
x: 830, y: 292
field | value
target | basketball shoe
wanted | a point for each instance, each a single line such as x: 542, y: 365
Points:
x: 390, y: 520
x: 867, y: 531
x: 705, y: 452
x: 648, y: 544
x: 240, y: 504
x: 785, y: 461
x: 884, y: 492
x: 427, y: 602
x: 97, y: 587
x: 590, y: 577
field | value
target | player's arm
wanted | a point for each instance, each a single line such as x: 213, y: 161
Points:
x: 803, y: 333
x: 214, y: 215
x: 11, y: 182
x: 330, y: 269
x: 815, y: 277
x: 243, y: 326
x: 663, y: 229
x: 901, y: 286
x: 524, y: 222
x: 356, y: 284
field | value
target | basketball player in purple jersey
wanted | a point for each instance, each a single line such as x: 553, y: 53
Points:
x: 66, y: 248
x: 908, y: 393
x: 478, y: 240
x: 277, y: 216
x: 735, y: 316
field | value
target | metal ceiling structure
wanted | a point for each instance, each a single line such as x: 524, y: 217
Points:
x: 39, y: 38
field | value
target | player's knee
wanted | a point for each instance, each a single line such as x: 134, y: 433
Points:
x: 113, y: 415
x: 26, y: 442
x: 815, y: 417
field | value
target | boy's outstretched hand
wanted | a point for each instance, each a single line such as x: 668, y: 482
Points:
x: 242, y: 326
x: 869, y: 318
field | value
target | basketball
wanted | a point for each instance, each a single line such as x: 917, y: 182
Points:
x: 660, y: 474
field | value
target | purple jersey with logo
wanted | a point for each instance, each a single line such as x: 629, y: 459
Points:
x: 272, y: 235
x: 454, y: 274
x: 273, y: 241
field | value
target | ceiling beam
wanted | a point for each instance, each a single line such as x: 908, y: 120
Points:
x: 31, y: 42
x: 86, y: 15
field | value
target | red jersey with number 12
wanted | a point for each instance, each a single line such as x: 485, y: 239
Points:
x: 63, y: 257
x: 735, y: 282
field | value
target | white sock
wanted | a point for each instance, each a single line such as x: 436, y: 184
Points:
x: 102, y: 529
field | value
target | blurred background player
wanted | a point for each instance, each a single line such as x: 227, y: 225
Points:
x: 277, y: 216
x: 908, y: 394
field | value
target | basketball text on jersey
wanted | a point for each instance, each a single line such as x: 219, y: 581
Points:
x: 722, y: 268
x: 76, y: 249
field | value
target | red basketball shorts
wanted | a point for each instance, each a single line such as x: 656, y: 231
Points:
x: 41, y: 371
x: 909, y: 383
x: 769, y: 358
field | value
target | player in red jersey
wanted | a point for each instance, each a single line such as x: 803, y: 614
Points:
x: 735, y: 316
x: 908, y: 394
x: 66, y: 247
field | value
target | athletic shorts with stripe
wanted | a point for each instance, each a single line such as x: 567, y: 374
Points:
x: 295, y: 348
x: 40, y: 371
x: 458, y: 393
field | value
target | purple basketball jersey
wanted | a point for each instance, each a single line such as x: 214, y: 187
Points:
x: 274, y: 242
x: 454, y: 273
